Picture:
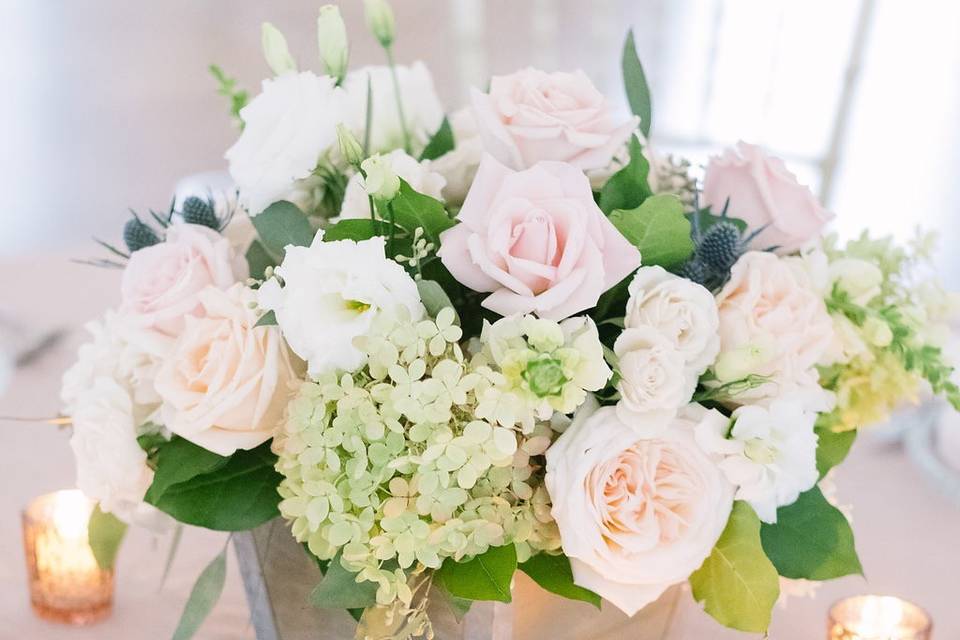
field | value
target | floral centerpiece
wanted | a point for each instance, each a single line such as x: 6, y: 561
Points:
x: 445, y: 349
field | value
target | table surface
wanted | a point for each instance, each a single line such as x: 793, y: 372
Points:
x: 906, y: 531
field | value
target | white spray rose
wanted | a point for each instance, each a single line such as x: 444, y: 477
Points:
x: 635, y: 515
x: 654, y: 380
x: 330, y: 294
x: 418, y: 175
x: 288, y: 129
x: 770, y: 453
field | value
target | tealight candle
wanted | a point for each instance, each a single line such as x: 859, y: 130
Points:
x: 66, y: 583
x: 877, y: 618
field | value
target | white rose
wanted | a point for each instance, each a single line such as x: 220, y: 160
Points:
x: 654, y: 380
x: 161, y: 283
x: 421, y: 106
x: 225, y: 384
x: 330, y: 294
x: 288, y: 128
x: 770, y: 454
x: 682, y: 311
x: 419, y: 175
x: 635, y: 515
x: 772, y: 323
x: 459, y: 165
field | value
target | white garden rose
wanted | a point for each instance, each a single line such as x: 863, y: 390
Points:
x: 226, y: 382
x: 682, y: 311
x: 459, y: 165
x: 288, y: 128
x: 330, y: 294
x: 770, y: 453
x: 419, y: 175
x: 773, y: 323
x: 422, y: 110
x: 654, y: 379
x: 636, y: 515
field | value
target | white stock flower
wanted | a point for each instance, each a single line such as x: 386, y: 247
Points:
x: 418, y: 175
x: 288, y: 128
x: 859, y: 279
x: 421, y: 106
x: 680, y: 310
x: 330, y: 294
x: 636, y: 515
x: 770, y: 453
x: 654, y: 380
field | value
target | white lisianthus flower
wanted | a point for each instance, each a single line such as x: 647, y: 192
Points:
x: 288, y: 129
x: 419, y: 175
x: 459, y: 165
x: 682, y: 311
x: 330, y: 294
x: 770, y: 453
x: 636, y: 515
x: 654, y: 379
x: 421, y: 106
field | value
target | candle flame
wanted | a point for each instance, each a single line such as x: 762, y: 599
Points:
x: 71, y: 513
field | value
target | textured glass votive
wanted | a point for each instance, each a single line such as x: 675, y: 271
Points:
x: 66, y: 583
x: 878, y: 618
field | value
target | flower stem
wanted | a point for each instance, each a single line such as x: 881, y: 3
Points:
x: 396, y: 91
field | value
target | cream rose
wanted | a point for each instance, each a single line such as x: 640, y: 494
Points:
x: 772, y: 323
x: 162, y: 283
x: 530, y: 116
x: 537, y: 240
x: 635, y: 515
x: 766, y: 195
x: 225, y: 384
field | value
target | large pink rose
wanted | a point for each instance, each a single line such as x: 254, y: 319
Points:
x: 161, y: 283
x: 764, y: 194
x: 531, y: 115
x: 537, y: 240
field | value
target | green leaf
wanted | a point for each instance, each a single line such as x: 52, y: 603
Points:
x: 204, y: 595
x: 832, y: 447
x: 658, y: 229
x: 172, y: 552
x: 442, y: 142
x: 635, y: 83
x: 485, y: 577
x: 737, y: 583
x: 433, y: 296
x: 458, y: 606
x: 627, y: 188
x: 554, y: 574
x: 339, y: 589
x: 105, y: 533
x: 258, y: 259
x: 412, y: 209
x: 706, y: 219
x: 356, y: 229
x: 180, y: 460
x: 236, y: 496
x: 269, y: 319
x: 811, y: 539
x: 282, y: 224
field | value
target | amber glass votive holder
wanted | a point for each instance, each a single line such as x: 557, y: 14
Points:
x: 871, y: 617
x: 66, y: 583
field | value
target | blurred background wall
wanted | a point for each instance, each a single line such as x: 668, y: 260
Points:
x: 106, y: 103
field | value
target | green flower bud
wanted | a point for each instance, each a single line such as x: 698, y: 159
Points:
x: 332, y: 41
x: 545, y: 377
x: 275, y: 50
x: 350, y: 148
x: 380, y: 181
x: 380, y: 20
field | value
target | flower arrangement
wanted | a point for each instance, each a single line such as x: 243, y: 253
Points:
x: 447, y: 349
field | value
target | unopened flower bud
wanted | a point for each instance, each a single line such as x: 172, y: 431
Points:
x: 381, y: 181
x: 877, y: 332
x: 350, y: 148
x: 332, y: 41
x: 275, y: 50
x: 380, y: 20
x: 737, y: 364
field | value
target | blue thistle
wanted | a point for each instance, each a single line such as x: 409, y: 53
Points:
x: 137, y: 235
x: 199, y: 211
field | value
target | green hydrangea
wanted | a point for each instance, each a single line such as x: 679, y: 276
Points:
x: 396, y: 469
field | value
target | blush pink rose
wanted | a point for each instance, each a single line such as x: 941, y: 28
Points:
x: 764, y: 194
x: 531, y: 115
x: 537, y: 240
x: 161, y: 284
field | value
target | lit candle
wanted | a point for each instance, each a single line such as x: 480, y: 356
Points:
x: 877, y: 618
x: 66, y: 583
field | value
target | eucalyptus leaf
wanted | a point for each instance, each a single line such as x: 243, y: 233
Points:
x: 282, y: 224
x: 811, y: 540
x: 269, y: 319
x: 412, y: 209
x: 737, y: 584
x: 434, y: 298
x: 635, y: 84
x: 628, y: 187
x: 172, y: 552
x: 658, y: 229
x: 339, y: 589
x: 442, y: 142
x: 105, y: 532
x: 204, y: 595
x: 485, y: 577
x: 553, y: 573
x: 258, y: 259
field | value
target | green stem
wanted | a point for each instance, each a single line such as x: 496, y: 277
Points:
x: 396, y: 90
x: 390, y: 252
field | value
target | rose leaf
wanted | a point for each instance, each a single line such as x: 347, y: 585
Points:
x: 554, y: 574
x: 485, y: 577
x: 658, y: 229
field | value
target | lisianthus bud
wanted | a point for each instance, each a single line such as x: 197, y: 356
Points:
x: 332, y: 41
x: 350, y: 148
x: 380, y: 20
x: 381, y: 181
x: 275, y: 50
x: 737, y: 364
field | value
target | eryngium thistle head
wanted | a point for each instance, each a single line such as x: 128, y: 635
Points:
x: 137, y: 235
x: 721, y: 245
x: 199, y: 211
